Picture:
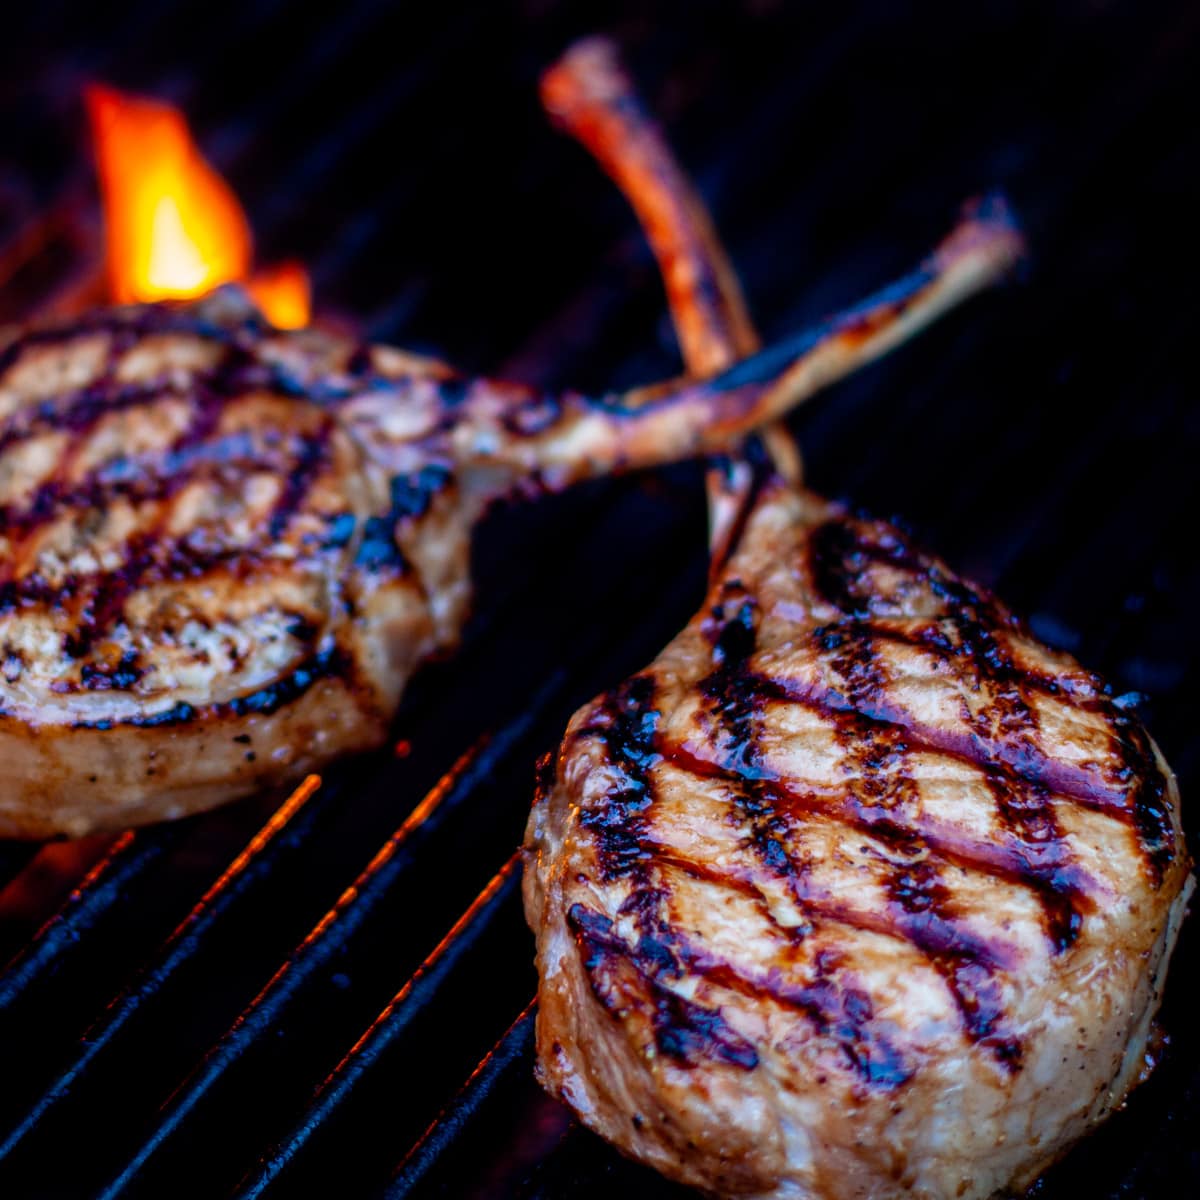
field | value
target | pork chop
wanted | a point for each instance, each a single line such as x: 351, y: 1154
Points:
x: 224, y: 549
x: 858, y: 890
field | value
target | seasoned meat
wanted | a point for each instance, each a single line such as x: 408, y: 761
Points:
x: 857, y: 890
x: 224, y: 549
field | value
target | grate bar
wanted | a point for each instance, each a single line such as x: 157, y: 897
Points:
x: 284, y: 831
x: 513, y: 1052
x: 127, y: 860
x: 394, y: 1023
x: 322, y: 158
x: 254, y: 121
x: 395, y: 858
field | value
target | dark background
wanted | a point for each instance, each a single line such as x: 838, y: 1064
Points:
x: 1043, y: 440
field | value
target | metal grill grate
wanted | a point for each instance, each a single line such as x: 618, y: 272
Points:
x: 331, y: 996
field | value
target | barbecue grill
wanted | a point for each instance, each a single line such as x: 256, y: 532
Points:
x: 330, y: 992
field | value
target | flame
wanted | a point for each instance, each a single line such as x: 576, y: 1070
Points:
x: 284, y: 293
x: 174, y: 228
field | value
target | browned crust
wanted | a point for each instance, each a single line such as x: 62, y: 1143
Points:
x: 87, y: 750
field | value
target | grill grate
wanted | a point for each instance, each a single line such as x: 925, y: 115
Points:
x: 332, y: 993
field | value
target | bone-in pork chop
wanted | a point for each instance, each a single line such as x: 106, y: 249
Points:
x: 857, y: 890
x: 224, y: 549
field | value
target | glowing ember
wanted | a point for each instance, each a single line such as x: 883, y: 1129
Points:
x: 174, y: 228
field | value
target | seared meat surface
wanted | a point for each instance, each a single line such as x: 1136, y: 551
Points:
x: 198, y: 590
x: 857, y: 890
x: 224, y: 549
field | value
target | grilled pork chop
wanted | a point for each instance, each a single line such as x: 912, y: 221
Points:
x: 224, y: 549
x: 857, y: 891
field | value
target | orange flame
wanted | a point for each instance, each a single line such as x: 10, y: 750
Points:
x: 284, y: 293
x: 174, y: 228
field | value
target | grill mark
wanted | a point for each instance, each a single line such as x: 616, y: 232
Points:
x: 150, y: 558
x: 1028, y: 813
x: 411, y: 497
x: 78, y: 412
x: 744, y: 881
x: 1029, y: 766
x: 147, y: 556
x: 98, y: 602
x: 207, y: 392
x: 129, y: 326
x: 314, y: 457
x: 82, y: 411
x: 917, y: 917
x: 328, y: 662
x: 839, y: 1010
x: 838, y: 553
x: 240, y: 367
x: 1035, y: 868
x: 103, y: 601
x: 1004, y: 729
x: 684, y: 1031
x: 626, y: 722
x: 1006, y: 717
x: 146, y: 481
x: 819, y: 905
x: 732, y: 718
x: 921, y: 907
x: 96, y: 599
x: 732, y: 706
x: 1085, y: 693
x: 163, y: 317
x: 1143, y: 807
x: 238, y: 371
x: 1150, y: 803
x: 833, y: 554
